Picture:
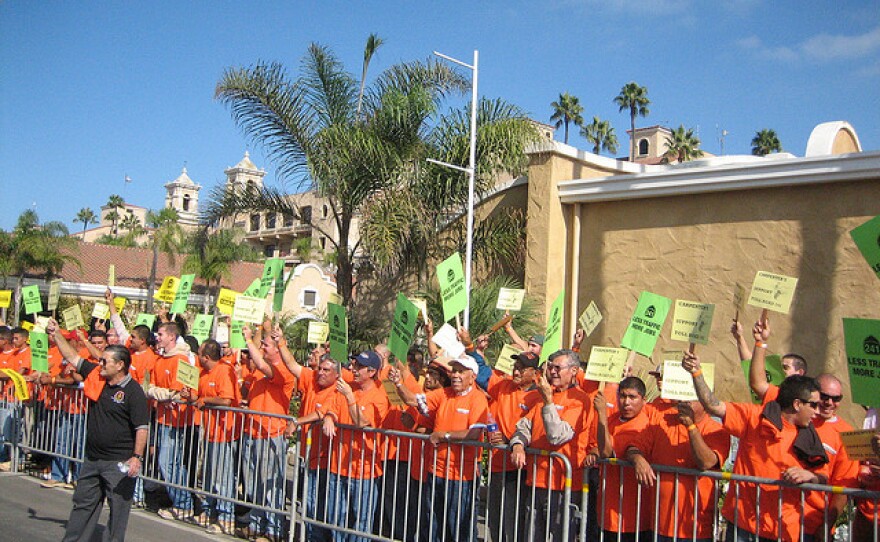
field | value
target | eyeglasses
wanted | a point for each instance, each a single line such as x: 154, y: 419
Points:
x: 813, y: 404
x: 556, y: 368
x: 103, y: 361
x: 833, y: 398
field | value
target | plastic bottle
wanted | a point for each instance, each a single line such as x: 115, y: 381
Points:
x: 123, y: 467
x: 491, y: 424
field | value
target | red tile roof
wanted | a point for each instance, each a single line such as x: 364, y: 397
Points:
x: 133, y: 267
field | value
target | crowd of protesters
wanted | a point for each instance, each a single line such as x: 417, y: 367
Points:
x: 361, y: 474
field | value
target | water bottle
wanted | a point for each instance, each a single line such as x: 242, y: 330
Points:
x: 123, y: 467
x: 491, y: 424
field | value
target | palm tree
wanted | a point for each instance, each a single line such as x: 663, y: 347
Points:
x: 43, y: 248
x: 567, y: 110
x: 115, y: 202
x: 373, y: 43
x: 86, y: 216
x: 601, y: 135
x: 765, y: 142
x: 213, y: 256
x: 634, y: 98
x: 167, y: 238
x: 682, y: 145
x: 133, y: 227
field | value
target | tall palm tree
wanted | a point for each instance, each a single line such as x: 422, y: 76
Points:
x: 633, y: 98
x: 86, y: 216
x: 683, y: 145
x: 115, y: 202
x: 373, y: 43
x: 133, y: 227
x: 601, y: 134
x: 167, y: 238
x: 567, y: 110
x: 765, y: 142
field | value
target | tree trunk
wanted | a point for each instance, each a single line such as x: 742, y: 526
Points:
x: 632, y: 136
x: 344, y: 275
x: 151, y: 287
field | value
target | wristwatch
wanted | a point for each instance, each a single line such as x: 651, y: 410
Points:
x: 139, y: 457
x: 446, y: 436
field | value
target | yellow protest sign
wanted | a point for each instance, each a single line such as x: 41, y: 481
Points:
x: 678, y: 384
x: 391, y: 392
x: 590, y: 318
x: 27, y: 326
x: 739, y: 297
x: 72, y: 318
x: 21, y: 389
x: 54, y: 295
x: 187, y: 374
x: 5, y: 298
x: 772, y: 291
x: 249, y: 309
x: 101, y: 311
x: 510, y: 299
x: 858, y: 444
x: 333, y: 297
x: 226, y: 301
x: 505, y: 359
x: 168, y: 291
x: 111, y: 276
x: 318, y: 332
x: 606, y: 364
x: 692, y: 321
x: 119, y: 303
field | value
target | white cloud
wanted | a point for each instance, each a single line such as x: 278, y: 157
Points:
x: 823, y: 47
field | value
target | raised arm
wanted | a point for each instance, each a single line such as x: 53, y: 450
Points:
x: 515, y: 338
x: 405, y: 394
x: 256, y: 354
x: 604, y: 443
x: 702, y: 454
x: 758, y: 370
x: 118, y: 324
x: 67, y: 352
x: 286, y: 355
x: 713, y: 406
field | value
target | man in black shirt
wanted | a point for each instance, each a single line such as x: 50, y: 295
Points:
x: 116, y: 437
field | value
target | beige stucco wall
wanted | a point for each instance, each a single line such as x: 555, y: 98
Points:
x: 696, y: 247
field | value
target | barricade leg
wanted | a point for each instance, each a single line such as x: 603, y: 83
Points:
x: 362, y: 506
x: 63, y: 447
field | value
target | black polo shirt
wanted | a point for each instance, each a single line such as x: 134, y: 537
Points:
x: 114, y: 418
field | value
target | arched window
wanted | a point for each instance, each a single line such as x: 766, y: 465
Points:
x: 643, y: 147
x: 186, y: 202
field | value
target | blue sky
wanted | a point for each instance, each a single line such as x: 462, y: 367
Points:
x: 92, y: 91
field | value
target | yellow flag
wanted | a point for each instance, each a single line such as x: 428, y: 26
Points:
x: 21, y: 389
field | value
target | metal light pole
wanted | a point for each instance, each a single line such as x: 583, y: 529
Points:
x: 470, y: 170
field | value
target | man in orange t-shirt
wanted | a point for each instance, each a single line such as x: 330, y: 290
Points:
x: 265, y: 445
x: 616, y: 430
x: 774, y: 438
x: 8, y: 405
x: 143, y: 358
x: 217, y: 388
x: 454, y: 415
x: 356, y: 460
x: 685, y: 438
x: 559, y: 424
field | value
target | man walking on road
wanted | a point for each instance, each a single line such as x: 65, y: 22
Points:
x: 116, y: 437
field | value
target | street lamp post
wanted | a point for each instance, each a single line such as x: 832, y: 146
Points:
x: 470, y: 170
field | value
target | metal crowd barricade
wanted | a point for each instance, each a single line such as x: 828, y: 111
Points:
x: 703, y: 520
x: 408, y: 501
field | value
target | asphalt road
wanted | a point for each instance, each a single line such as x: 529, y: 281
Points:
x: 29, y: 513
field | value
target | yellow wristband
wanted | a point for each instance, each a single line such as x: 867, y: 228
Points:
x: 691, y: 427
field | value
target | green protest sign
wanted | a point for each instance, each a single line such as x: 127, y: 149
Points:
x: 144, y: 319
x: 236, y: 339
x: 646, y: 322
x: 253, y: 290
x: 54, y: 295
x: 338, y: 331
x: 862, y: 339
x: 280, y: 287
x: 450, y: 274
x: 39, y: 352
x: 553, y: 335
x: 201, y: 328
x: 182, y: 296
x: 31, y: 297
x: 273, y: 268
x: 772, y: 369
x: 867, y: 238
x: 403, y: 327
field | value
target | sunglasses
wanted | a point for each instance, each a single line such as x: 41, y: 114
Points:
x: 813, y: 404
x: 833, y: 398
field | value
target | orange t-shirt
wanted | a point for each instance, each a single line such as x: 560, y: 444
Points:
x: 576, y: 409
x: 164, y: 375
x: 142, y: 363
x: 357, y: 454
x: 764, y: 452
x: 667, y: 442
x: 272, y: 396
x: 315, y: 399
x: 21, y: 362
x: 50, y: 395
x: 448, y: 412
x: 509, y: 404
x: 392, y: 446
x: 624, y: 433
x: 220, y: 426
x: 844, y: 471
x: 6, y: 386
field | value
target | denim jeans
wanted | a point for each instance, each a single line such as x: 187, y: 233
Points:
x: 68, y: 442
x: 316, y: 504
x: 219, y: 469
x: 352, y: 504
x: 172, y: 463
x: 265, y: 486
x: 10, y: 416
x: 449, y: 514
